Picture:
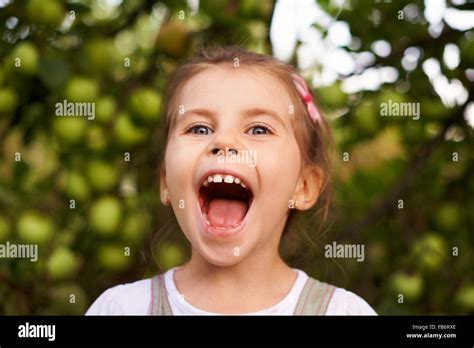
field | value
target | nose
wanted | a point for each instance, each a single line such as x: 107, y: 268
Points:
x: 217, y: 151
x: 225, y: 142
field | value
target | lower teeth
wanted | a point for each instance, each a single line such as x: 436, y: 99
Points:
x: 206, y: 220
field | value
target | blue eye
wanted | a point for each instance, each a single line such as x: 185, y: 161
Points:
x: 260, y: 130
x: 199, y: 130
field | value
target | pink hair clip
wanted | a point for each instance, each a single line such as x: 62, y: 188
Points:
x: 305, y: 94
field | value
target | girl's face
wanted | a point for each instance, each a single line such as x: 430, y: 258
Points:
x: 225, y: 108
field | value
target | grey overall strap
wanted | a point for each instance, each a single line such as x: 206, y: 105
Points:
x: 314, y: 298
x: 159, y: 298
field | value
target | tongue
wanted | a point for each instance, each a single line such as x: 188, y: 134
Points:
x: 226, y: 212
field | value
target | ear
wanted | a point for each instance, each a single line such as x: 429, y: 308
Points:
x: 308, y: 187
x: 164, y: 196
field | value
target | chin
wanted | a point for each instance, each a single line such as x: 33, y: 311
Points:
x: 222, y: 257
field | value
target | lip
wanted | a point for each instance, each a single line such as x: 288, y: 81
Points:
x: 215, y: 232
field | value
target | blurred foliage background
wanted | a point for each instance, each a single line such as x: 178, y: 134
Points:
x: 86, y: 191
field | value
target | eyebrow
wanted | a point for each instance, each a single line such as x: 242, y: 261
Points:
x: 248, y: 113
x: 199, y: 112
x: 263, y: 111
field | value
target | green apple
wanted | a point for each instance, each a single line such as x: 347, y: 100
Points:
x: 47, y: 12
x: 62, y: 263
x: 28, y: 57
x: 430, y: 251
x: 81, y: 90
x: 135, y: 227
x: 145, y: 104
x: 126, y: 133
x: 112, y: 258
x: 70, y: 129
x: 100, y: 54
x: 4, y: 228
x: 105, y: 215
x: 75, y: 186
x: 102, y: 175
x: 170, y: 255
x: 410, y: 286
x: 34, y: 228
x: 8, y: 100
x: 174, y: 37
x: 465, y: 297
x: 96, y: 138
x: 105, y: 109
x: 448, y: 216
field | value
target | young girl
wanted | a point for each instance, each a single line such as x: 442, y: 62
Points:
x: 245, y: 149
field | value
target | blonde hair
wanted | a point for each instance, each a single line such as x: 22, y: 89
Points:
x: 314, y: 139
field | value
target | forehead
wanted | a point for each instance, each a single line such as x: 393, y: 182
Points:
x: 228, y: 86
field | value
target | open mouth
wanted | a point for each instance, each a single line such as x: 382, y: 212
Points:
x: 224, y: 200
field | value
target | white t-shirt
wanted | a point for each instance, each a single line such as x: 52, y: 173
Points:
x: 135, y: 299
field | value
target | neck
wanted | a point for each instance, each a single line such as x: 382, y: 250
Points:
x: 257, y: 282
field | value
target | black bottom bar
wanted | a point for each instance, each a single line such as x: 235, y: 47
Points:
x: 451, y: 331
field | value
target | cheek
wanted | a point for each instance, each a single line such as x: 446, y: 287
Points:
x: 279, y: 168
x: 179, y: 162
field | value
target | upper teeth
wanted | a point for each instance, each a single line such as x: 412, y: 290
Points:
x: 228, y: 179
